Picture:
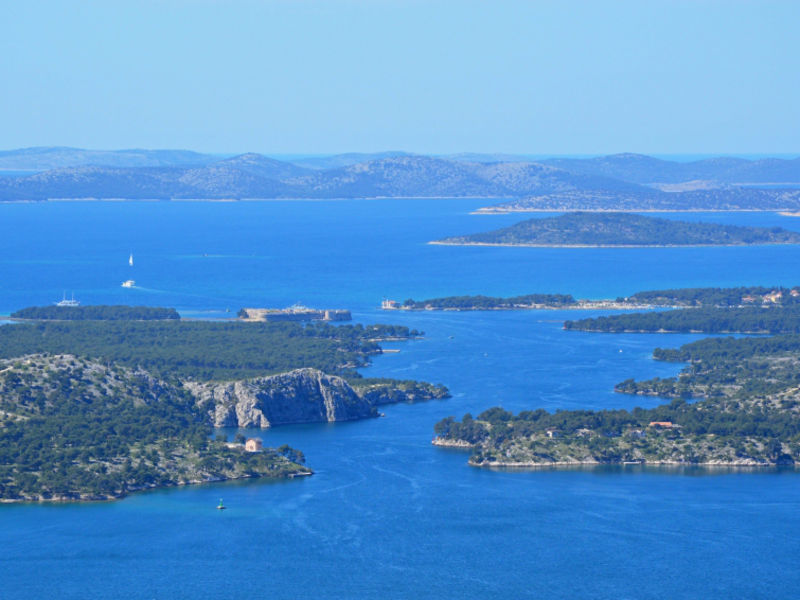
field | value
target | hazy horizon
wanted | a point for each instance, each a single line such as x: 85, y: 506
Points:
x: 282, y: 78
x: 676, y: 156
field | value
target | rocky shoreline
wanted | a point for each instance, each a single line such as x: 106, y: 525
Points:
x: 144, y: 488
x: 524, y: 245
x: 446, y: 443
x: 743, y: 464
x: 579, y: 305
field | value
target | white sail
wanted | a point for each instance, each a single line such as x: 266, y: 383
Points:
x: 130, y: 259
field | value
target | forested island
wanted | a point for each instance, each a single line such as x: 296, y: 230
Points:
x: 759, y: 320
x: 94, y: 409
x: 718, y: 297
x: 672, y: 298
x: 95, y: 313
x: 583, y: 229
x: 206, y: 349
x: 689, y: 196
x: 735, y: 404
x: 753, y: 309
x: 480, y: 302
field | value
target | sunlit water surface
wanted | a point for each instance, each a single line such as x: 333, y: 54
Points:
x: 387, y: 515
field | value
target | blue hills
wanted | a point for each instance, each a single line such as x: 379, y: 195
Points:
x: 642, y: 181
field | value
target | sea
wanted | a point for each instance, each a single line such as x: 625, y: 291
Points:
x: 386, y: 514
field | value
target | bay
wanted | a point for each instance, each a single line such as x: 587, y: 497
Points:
x: 386, y: 514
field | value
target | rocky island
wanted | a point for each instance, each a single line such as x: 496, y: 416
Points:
x: 620, y: 230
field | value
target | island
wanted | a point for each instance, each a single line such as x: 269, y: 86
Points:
x: 479, y: 302
x: 621, y: 230
x: 735, y: 404
x: 96, y: 312
x: 670, y: 298
x: 95, y: 409
x: 748, y: 319
x: 719, y: 297
x: 753, y: 309
x: 689, y: 196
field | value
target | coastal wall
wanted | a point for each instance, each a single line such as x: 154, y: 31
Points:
x: 273, y: 315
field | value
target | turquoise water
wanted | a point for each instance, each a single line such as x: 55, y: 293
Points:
x: 386, y: 514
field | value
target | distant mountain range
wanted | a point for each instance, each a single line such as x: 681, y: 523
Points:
x: 623, y: 181
x: 257, y: 176
x: 638, y: 168
x: 56, y: 157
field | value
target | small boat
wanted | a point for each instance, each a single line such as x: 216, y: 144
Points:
x: 129, y: 283
x: 221, y: 506
x: 65, y: 302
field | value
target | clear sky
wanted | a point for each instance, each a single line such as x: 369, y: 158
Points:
x: 296, y: 76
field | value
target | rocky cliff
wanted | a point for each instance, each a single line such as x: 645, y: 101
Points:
x: 302, y: 396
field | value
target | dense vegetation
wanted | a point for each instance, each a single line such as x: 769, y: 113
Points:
x: 717, y: 297
x: 489, y: 302
x: 96, y: 313
x: 76, y: 429
x: 728, y: 348
x: 97, y: 408
x: 704, y: 320
x: 380, y: 390
x: 746, y: 412
x: 753, y: 296
x: 204, y: 350
x: 624, y: 229
x: 652, y: 199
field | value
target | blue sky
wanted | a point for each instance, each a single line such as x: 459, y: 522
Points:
x: 295, y: 76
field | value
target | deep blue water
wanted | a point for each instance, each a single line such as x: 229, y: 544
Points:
x: 12, y: 173
x: 386, y: 514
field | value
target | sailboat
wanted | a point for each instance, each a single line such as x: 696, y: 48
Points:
x: 129, y: 283
x: 65, y: 302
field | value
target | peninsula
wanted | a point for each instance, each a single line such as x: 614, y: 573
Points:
x: 674, y: 298
x: 93, y: 409
x: 76, y: 429
x: 748, y: 319
x: 620, y: 230
x: 754, y: 309
x: 746, y: 413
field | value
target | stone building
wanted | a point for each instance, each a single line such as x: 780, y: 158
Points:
x: 253, y: 445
